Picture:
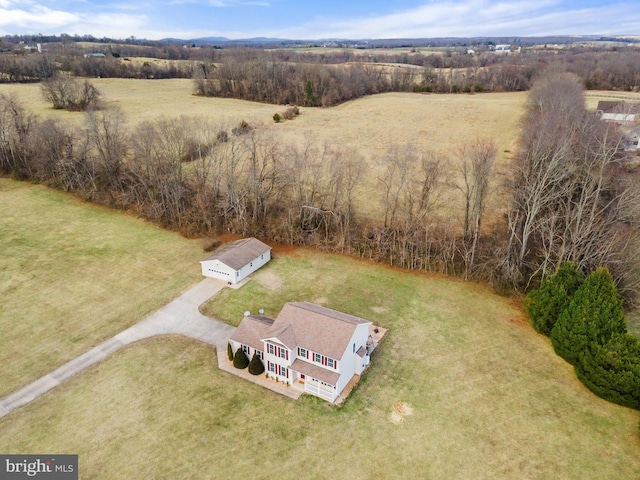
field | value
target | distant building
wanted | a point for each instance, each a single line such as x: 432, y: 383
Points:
x: 503, y: 49
x: 98, y: 55
x: 619, y: 112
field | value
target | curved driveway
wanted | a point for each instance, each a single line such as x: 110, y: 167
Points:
x: 181, y: 316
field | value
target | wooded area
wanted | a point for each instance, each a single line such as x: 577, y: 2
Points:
x: 572, y: 196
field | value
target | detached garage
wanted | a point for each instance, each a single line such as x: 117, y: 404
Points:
x: 236, y: 261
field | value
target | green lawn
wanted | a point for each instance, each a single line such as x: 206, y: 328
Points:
x: 461, y: 387
x: 73, y: 275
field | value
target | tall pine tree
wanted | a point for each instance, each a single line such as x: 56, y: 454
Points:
x: 612, y: 370
x: 594, y: 314
x: 545, y: 304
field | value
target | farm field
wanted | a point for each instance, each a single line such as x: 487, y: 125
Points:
x: 73, y: 275
x: 462, y: 387
x: 436, y: 122
x: 429, y: 122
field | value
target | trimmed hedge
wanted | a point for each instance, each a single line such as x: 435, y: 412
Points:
x: 240, y: 359
x: 229, y: 352
x: 545, y: 304
x: 256, y: 367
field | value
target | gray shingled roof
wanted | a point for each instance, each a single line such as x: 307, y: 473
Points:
x: 315, y: 371
x: 251, y: 329
x: 239, y: 253
x: 315, y: 328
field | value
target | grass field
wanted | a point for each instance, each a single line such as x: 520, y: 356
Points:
x: 73, y: 275
x: 441, y: 123
x: 461, y: 388
x: 438, y: 122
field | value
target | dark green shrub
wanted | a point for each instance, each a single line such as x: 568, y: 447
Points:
x: 594, y: 314
x: 277, y: 118
x: 612, y: 370
x: 545, y: 304
x: 256, y: 367
x: 240, y: 359
x: 229, y: 352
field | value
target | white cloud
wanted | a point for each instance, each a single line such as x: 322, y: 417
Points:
x: 36, y: 17
x: 470, y: 18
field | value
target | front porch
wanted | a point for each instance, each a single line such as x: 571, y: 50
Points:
x: 293, y: 392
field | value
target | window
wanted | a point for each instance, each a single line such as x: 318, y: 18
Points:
x: 330, y: 363
x: 272, y: 367
x: 283, y: 372
x: 245, y: 349
x: 283, y: 353
x: 302, y: 352
x: 318, y: 358
x: 270, y: 348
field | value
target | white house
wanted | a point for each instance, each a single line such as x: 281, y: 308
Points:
x: 309, y: 346
x: 619, y: 112
x: 236, y: 261
x: 503, y: 49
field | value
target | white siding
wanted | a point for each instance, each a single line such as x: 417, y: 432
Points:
x: 217, y: 269
x: 350, y: 363
x: 252, y: 266
x: 276, y: 360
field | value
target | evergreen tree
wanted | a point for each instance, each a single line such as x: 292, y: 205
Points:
x: 256, y: 367
x: 612, y: 370
x: 545, y: 304
x: 309, y: 97
x: 594, y: 314
x: 240, y: 359
x: 229, y: 352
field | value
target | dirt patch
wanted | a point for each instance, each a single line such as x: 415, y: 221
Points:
x: 321, y: 301
x: 269, y: 280
x: 399, y: 411
x: 379, y: 309
x: 288, y: 250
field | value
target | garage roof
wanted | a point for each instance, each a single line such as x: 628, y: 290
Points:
x: 239, y: 253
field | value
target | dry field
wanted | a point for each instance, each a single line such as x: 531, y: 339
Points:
x: 72, y: 275
x: 438, y: 122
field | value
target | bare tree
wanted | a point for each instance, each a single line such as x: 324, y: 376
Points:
x: 67, y: 93
x: 477, y: 167
x: 567, y: 203
x: 16, y: 130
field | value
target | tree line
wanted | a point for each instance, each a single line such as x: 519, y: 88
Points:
x: 571, y: 195
x: 585, y: 320
x: 326, y: 78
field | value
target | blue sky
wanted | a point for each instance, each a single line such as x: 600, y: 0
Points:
x: 303, y: 19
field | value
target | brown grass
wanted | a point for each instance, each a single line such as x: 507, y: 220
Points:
x: 72, y: 275
x: 456, y: 390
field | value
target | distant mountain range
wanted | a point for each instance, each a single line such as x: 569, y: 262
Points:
x: 400, y: 42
